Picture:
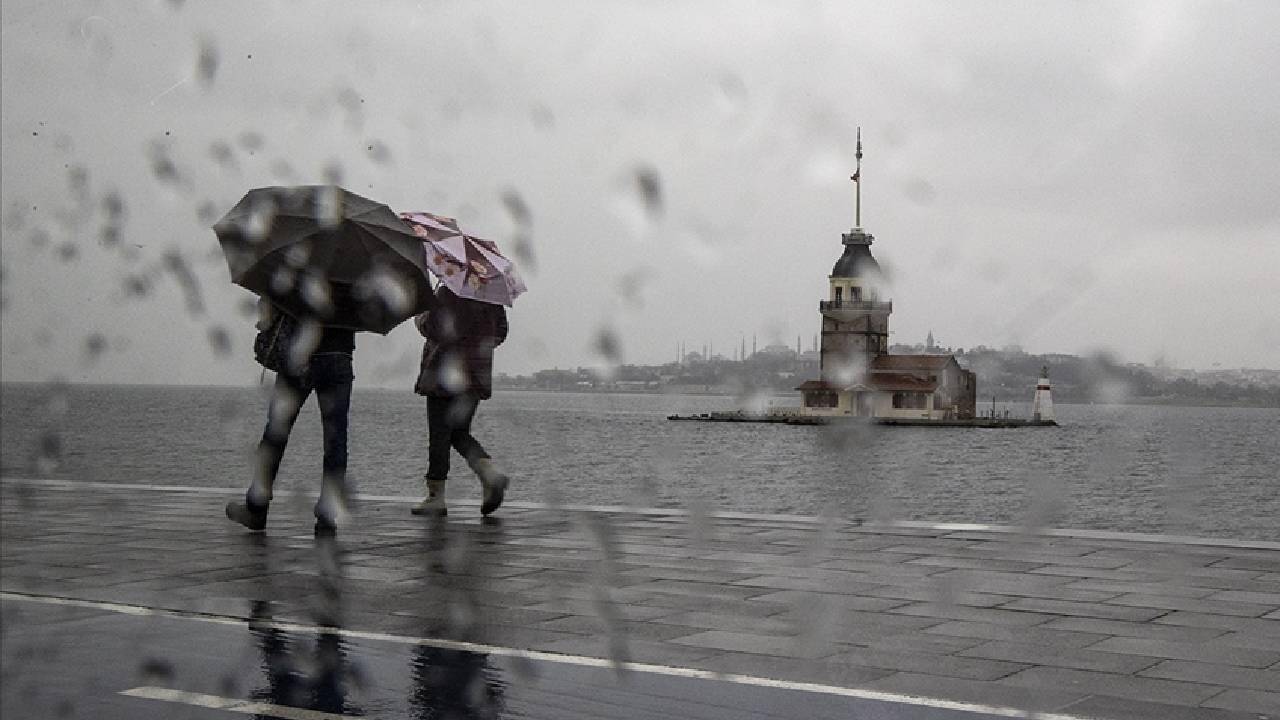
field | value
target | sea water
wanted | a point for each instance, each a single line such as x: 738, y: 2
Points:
x: 1180, y: 470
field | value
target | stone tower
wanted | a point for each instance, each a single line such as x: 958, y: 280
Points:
x: 855, y: 316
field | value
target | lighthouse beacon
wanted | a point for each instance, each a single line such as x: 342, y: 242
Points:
x: 1042, y: 405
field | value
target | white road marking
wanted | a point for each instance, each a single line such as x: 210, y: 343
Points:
x: 563, y: 659
x: 216, y: 702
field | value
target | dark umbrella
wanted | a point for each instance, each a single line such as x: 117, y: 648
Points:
x: 325, y: 253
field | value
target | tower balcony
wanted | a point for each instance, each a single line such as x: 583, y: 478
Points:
x: 849, y: 308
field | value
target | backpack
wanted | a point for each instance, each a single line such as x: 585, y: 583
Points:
x: 271, y: 348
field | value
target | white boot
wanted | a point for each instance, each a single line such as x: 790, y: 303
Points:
x: 433, y: 504
x: 493, y: 482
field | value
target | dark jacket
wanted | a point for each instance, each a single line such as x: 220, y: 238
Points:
x: 457, y: 356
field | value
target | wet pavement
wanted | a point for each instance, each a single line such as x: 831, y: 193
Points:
x: 120, y: 602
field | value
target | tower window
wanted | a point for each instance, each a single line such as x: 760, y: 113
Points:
x: 839, y: 294
x: 855, y: 294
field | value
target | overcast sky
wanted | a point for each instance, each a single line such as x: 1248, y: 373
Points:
x: 1068, y: 177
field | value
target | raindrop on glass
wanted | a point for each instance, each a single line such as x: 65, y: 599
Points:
x: 328, y: 206
x: 207, y: 63
x: 94, y: 346
x: 251, y: 141
x: 638, y: 200
x: 222, y: 153
x: 181, y: 271
x: 378, y: 152
x: 220, y: 340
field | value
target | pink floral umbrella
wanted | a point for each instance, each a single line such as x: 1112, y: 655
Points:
x: 469, y: 266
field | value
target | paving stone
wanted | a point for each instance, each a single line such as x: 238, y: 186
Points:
x: 1243, y: 596
x: 1127, y: 686
x: 792, y: 669
x: 927, y: 663
x: 1159, y: 589
x: 1029, y: 635
x: 763, y: 597
x: 1225, y: 675
x: 1261, y: 626
x: 775, y: 582
x: 1253, y: 702
x: 1135, y: 629
x: 808, y: 598
x: 1063, y: 657
x: 1213, y: 607
x: 1214, y: 651
x: 924, y: 642
x: 773, y: 645
x: 997, y: 616
x: 1032, y: 700
x: 1117, y: 708
x: 1080, y: 609
x: 626, y: 650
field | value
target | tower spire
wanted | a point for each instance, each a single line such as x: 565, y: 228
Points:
x: 857, y: 183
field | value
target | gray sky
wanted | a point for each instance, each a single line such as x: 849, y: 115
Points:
x: 1068, y: 177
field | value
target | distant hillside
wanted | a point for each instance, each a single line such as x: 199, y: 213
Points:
x: 1008, y: 375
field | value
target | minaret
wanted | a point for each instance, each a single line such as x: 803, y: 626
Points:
x: 855, y: 321
x: 1042, y: 405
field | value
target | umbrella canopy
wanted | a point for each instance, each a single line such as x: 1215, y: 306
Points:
x: 470, y: 267
x: 322, y: 252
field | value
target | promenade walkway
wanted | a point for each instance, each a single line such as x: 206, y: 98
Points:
x: 120, y: 601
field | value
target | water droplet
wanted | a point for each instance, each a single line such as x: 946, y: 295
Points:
x: 542, y: 117
x: 333, y: 172
x: 163, y: 167
x: 181, y: 271
x: 608, y: 346
x: 378, y: 152
x: 522, y: 235
x: 452, y: 376
x: 207, y: 62
x: 282, y: 170
x: 40, y: 238
x: 381, y: 288
x: 638, y: 200
x: 94, y: 346
x: 109, y: 237
x: 220, y: 340
x: 68, y: 252
x: 632, y: 283
x: 113, y: 205
x: 731, y: 95
x: 207, y: 213
x: 251, y: 141
x: 283, y: 280
x: 920, y: 191
x: 328, y: 206
x: 153, y: 669
x: 261, y: 217
x: 221, y: 152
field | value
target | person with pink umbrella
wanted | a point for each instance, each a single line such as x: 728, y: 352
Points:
x: 461, y: 332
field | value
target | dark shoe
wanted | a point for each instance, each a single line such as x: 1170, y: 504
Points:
x: 253, y: 517
x: 325, y: 527
x: 494, y: 488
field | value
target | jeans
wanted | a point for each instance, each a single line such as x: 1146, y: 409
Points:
x: 331, y: 376
x: 449, y: 426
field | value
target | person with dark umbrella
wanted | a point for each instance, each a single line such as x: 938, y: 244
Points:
x: 456, y: 374
x: 325, y: 263
x: 319, y: 358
